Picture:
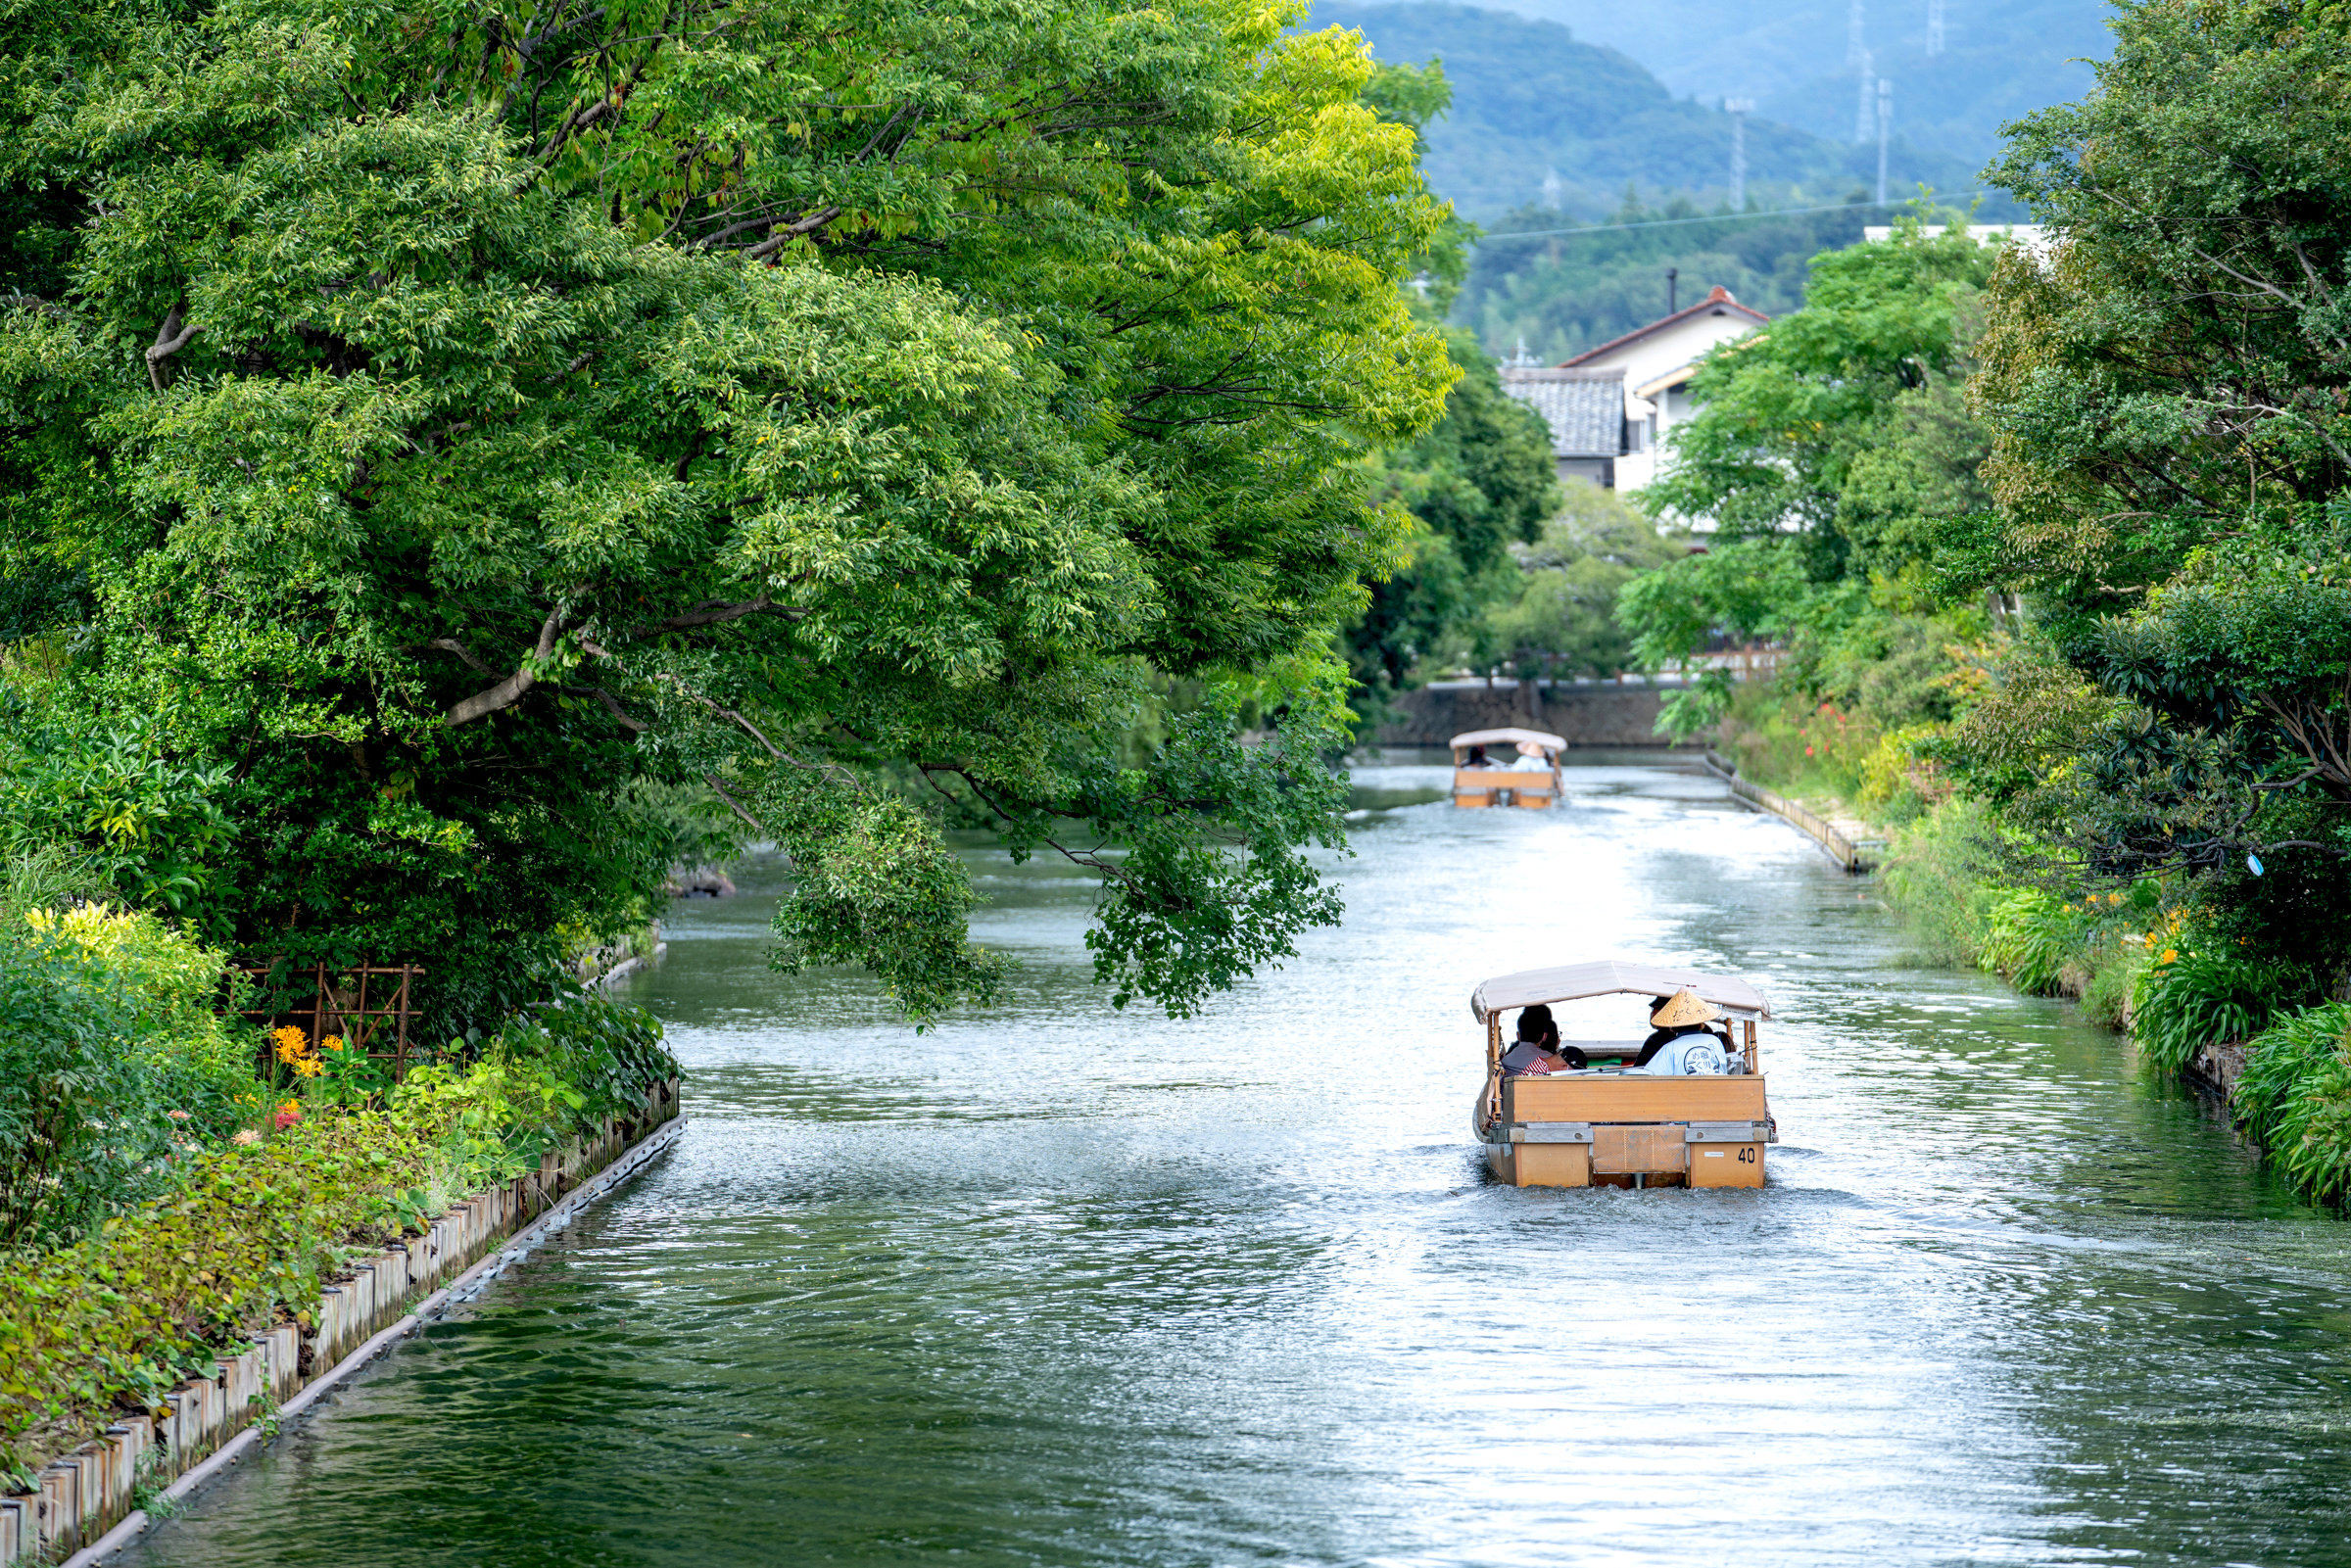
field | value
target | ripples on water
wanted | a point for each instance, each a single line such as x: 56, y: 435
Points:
x: 1057, y: 1286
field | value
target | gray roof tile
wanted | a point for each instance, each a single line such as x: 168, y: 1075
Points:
x: 1585, y: 408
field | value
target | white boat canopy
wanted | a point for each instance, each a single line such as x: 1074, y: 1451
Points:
x: 1495, y: 738
x: 1573, y: 982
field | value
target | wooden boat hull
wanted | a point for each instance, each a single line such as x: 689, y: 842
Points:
x: 1626, y: 1130
x: 1481, y: 786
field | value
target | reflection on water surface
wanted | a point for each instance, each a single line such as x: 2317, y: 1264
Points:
x: 1059, y: 1286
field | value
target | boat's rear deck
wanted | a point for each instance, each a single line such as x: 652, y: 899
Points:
x: 1580, y: 1130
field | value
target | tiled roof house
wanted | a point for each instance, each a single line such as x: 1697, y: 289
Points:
x: 1650, y: 369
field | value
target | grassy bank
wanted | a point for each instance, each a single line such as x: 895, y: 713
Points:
x: 2143, y: 959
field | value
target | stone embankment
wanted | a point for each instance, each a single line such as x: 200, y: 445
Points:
x: 1842, y: 838
x: 207, y: 1423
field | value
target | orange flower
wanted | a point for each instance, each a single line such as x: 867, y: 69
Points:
x: 333, y: 1042
x: 291, y: 1043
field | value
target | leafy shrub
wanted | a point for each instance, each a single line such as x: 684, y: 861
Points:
x: 552, y: 1074
x: 2032, y: 939
x: 2114, y: 970
x: 123, y: 1315
x: 1900, y: 785
x: 112, y: 1066
x: 152, y: 827
x: 2204, y: 995
x: 1937, y: 874
x: 252, y: 1229
x: 2295, y: 1098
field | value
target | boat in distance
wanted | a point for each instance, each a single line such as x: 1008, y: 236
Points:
x: 1529, y: 777
x: 1685, y: 1107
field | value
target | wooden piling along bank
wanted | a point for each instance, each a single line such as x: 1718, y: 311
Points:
x: 1854, y: 857
x: 83, y: 1495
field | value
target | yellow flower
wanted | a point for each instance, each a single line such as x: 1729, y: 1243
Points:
x: 2169, y: 954
x: 309, y: 1067
x: 333, y: 1042
x: 291, y: 1043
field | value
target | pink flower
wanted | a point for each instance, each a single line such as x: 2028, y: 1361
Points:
x: 177, y: 1116
x: 246, y: 1136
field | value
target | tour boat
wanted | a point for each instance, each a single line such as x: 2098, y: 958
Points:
x: 1614, y: 1125
x: 1534, y: 781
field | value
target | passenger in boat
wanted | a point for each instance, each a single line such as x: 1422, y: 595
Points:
x: 1538, y: 1049
x: 1675, y: 1016
x: 1530, y: 759
x: 1477, y: 758
x: 1537, y: 1033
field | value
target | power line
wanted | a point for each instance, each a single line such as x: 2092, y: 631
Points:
x: 1712, y: 217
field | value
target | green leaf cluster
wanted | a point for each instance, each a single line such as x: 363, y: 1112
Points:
x: 2294, y: 1098
x: 113, y: 1069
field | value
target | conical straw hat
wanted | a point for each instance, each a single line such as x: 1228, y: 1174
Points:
x: 1684, y: 1006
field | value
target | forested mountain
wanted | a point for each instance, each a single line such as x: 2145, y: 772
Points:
x: 1532, y: 102
x: 1560, y: 294
x: 2001, y: 58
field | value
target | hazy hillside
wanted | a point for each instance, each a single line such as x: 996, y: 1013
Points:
x: 1531, y: 99
x: 2001, y: 58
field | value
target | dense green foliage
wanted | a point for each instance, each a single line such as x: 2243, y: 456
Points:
x: 1479, y: 483
x: 1561, y: 618
x: 251, y: 1229
x: 1840, y: 418
x: 113, y: 1068
x: 2295, y: 1097
x: 443, y: 425
x: 2166, y: 398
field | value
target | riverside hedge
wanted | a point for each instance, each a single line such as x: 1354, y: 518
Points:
x: 254, y: 1229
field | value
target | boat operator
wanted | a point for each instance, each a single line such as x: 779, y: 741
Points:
x: 1674, y: 1018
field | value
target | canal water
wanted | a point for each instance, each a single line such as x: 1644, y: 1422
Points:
x: 1054, y: 1285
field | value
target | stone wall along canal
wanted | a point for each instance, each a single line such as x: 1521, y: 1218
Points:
x: 1053, y: 1286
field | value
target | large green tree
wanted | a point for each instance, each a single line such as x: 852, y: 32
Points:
x: 458, y: 416
x: 1835, y: 456
x: 2170, y: 395
x: 1483, y: 481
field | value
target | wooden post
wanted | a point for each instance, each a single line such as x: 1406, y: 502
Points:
x: 400, y: 1038
x: 1754, y: 1063
x: 1493, y: 1067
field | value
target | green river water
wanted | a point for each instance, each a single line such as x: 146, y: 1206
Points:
x: 1058, y: 1286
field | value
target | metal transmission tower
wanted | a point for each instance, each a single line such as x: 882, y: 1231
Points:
x: 1865, y: 114
x: 1885, y: 128
x: 1856, y: 44
x: 1739, y: 109
x: 1933, y: 27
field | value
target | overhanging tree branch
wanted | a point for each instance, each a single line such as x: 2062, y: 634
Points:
x: 170, y: 338
x: 509, y: 690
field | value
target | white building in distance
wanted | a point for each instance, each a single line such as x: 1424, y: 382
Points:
x: 1610, y: 406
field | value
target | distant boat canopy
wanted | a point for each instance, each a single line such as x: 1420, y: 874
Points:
x: 1497, y: 737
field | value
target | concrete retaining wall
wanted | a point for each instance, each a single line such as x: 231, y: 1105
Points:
x: 1596, y: 715
x: 87, y: 1492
